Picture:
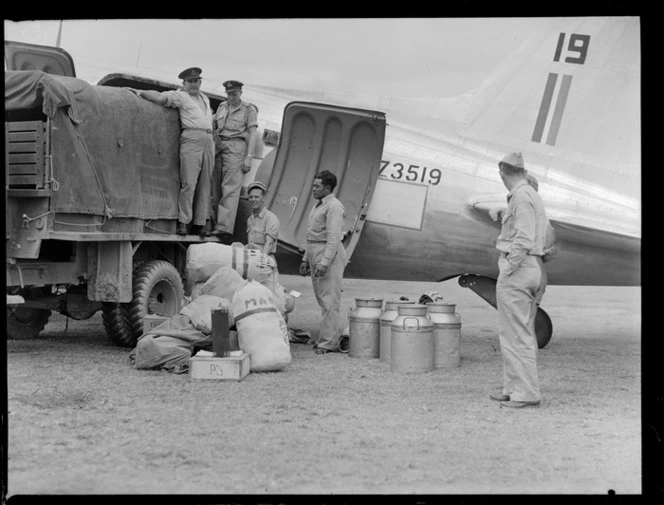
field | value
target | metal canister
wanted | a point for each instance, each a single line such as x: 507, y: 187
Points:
x: 387, y: 316
x: 364, y: 328
x: 446, y: 334
x: 412, y: 340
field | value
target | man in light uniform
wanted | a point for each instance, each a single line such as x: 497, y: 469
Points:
x: 325, y: 259
x: 235, y: 128
x: 262, y: 225
x: 521, y: 284
x: 196, y: 149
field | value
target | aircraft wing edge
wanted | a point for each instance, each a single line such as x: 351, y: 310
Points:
x: 586, y: 231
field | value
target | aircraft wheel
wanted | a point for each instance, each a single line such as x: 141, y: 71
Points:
x: 24, y: 323
x: 543, y: 328
x: 158, y: 290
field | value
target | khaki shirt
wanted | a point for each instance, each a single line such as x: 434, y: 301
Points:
x: 524, y: 225
x: 193, y: 113
x: 237, y: 122
x: 263, y: 225
x: 326, y: 221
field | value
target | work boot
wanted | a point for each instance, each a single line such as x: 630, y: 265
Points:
x: 223, y: 236
x: 206, y: 230
x: 182, y: 229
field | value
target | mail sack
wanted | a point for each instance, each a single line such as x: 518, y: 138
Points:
x: 200, y: 310
x: 262, y: 331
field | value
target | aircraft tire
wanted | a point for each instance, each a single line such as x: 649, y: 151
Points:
x: 543, y: 328
x: 24, y: 323
x: 158, y: 290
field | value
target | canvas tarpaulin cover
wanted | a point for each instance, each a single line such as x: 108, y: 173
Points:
x: 114, y: 153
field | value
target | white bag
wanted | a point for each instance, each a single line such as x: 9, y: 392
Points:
x: 262, y: 331
x: 284, y: 301
x: 205, y: 259
x: 223, y: 283
x: 200, y: 311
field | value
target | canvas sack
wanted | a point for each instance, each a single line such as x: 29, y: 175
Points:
x: 262, y: 331
x: 203, y: 260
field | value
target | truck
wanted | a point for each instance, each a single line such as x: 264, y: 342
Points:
x: 91, y: 186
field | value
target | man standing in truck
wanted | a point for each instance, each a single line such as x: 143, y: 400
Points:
x: 196, y: 149
x: 235, y: 128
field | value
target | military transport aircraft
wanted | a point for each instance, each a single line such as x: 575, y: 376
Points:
x: 419, y: 177
x: 568, y: 99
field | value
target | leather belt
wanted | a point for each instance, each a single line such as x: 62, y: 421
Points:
x: 316, y: 241
x: 505, y: 255
x: 231, y: 138
x: 206, y: 130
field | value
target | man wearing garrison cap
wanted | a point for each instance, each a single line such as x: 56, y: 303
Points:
x: 262, y: 225
x: 196, y: 149
x: 521, y: 284
x: 235, y: 139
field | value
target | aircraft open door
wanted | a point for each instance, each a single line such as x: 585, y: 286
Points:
x: 346, y: 141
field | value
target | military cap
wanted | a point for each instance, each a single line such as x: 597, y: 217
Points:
x: 257, y: 184
x: 514, y: 159
x: 233, y: 86
x: 190, y: 73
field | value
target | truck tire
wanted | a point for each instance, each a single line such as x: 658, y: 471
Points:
x: 158, y: 290
x: 116, y: 324
x: 24, y: 323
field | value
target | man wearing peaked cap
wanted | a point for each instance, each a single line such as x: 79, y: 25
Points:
x: 235, y: 140
x: 196, y: 149
x: 262, y: 225
x: 233, y: 86
x: 520, y: 286
x: 190, y: 73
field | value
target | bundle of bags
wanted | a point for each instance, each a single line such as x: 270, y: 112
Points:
x: 204, y: 260
x: 170, y: 344
x: 244, y: 282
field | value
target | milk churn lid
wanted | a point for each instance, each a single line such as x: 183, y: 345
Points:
x: 430, y: 297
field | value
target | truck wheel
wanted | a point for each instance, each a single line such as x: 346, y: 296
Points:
x: 116, y: 324
x: 158, y: 290
x: 24, y: 323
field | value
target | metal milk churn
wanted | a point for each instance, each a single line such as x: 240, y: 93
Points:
x: 412, y: 340
x: 364, y: 329
x: 386, y: 318
x: 446, y: 334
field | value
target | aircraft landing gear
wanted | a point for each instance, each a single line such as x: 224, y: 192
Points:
x: 485, y: 287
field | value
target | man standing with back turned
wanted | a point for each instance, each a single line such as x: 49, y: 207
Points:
x: 521, y: 284
x: 236, y: 123
x: 196, y: 149
x: 325, y: 259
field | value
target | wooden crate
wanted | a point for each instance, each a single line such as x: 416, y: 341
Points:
x: 152, y: 320
x: 230, y: 368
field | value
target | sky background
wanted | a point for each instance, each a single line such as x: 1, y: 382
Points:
x: 407, y: 57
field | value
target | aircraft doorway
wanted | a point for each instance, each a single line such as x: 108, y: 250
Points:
x: 314, y: 137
